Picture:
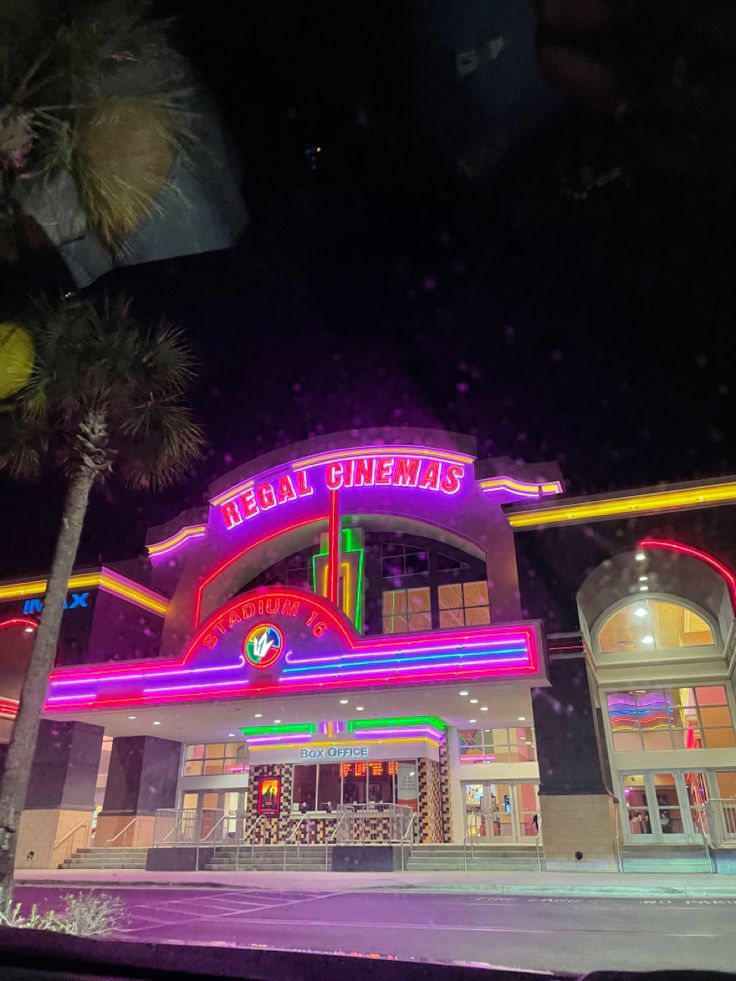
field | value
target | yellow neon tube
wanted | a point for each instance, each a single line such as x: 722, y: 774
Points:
x: 112, y: 584
x: 623, y: 506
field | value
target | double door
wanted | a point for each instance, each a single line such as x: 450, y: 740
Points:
x: 667, y: 806
x: 217, y: 813
x: 501, y: 813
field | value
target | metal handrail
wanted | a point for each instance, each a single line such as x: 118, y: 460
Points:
x: 331, y: 840
x: 409, y: 830
x: 70, y: 834
x: 539, y: 852
x: 214, y: 827
x: 122, y: 831
x: 244, y: 839
x: 290, y: 839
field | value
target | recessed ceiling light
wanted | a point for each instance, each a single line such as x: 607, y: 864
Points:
x: 640, y: 557
x: 473, y: 701
x: 643, y: 589
x: 359, y: 708
x: 641, y: 611
x: 463, y: 693
x: 277, y: 722
x: 473, y: 720
x: 258, y: 715
x: 230, y: 735
x: 29, y: 630
x: 156, y: 722
x: 132, y: 716
x: 643, y: 578
x: 521, y: 718
x: 648, y: 639
x: 484, y: 708
x: 343, y: 701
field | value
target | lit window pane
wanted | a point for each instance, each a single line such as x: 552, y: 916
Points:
x: 719, y: 738
x: 626, y: 742
x: 477, y: 614
x: 214, y: 751
x: 450, y: 597
x: 711, y: 695
x: 715, y: 717
x: 193, y: 768
x: 476, y: 593
x: 420, y: 621
x: 418, y: 600
x: 452, y: 618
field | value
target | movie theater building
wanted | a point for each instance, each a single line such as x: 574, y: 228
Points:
x: 338, y: 651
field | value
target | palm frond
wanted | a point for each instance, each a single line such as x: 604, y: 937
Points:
x: 162, y: 443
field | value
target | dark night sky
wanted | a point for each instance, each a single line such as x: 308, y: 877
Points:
x: 386, y: 287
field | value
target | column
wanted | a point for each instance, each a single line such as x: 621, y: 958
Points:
x: 578, y: 813
x: 57, y: 818
x: 143, y: 776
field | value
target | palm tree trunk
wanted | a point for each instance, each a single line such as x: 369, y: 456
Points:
x: 25, y: 729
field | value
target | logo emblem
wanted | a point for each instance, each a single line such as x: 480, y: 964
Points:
x: 263, y: 645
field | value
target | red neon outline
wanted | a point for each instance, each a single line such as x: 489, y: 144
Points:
x: 400, y: 642
x: 238, y: 555
x: 696, y: 553
x: 26, y: 621
x: 8, y: 708
x: 333, y: 548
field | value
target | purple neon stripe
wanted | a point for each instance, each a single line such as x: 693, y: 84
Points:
x: 448, y: 646
x: 406, y: 667
x: 152, y: 674
x: 212, y: 684
x: 285, y: 738
x: 381, y: 733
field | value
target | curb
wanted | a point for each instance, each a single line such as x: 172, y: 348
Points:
x: 589, y: 891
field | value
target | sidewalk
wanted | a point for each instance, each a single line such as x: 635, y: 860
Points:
x: 632, y: 884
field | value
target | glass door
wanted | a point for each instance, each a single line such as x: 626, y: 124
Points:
x: 663, y: 807
x: 501, y: 813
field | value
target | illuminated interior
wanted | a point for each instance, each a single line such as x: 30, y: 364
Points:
x: 653, y: 625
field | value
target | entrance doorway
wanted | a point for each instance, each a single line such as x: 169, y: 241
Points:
x: 501, y: 813
x: 211, y: 805
x: 668, y: 806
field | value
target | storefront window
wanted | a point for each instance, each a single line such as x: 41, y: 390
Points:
x: 464, y: 604
x: 652, y: 625
x: 406, y: 610
x: 305, y: 786
x: 354, y: 783
x: 671, y: 718
x: 214, y: 759
x: 514, y: 745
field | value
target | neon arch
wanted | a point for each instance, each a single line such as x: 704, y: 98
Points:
x: 695, y: 553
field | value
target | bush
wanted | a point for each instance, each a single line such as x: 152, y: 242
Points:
x: 83, y: 915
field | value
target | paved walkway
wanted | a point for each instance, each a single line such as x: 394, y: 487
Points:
x: 632, y: 884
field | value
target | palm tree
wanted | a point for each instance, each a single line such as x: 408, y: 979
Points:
x: 103, y: 396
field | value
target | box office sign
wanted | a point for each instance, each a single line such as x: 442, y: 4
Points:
x: 332, y: 754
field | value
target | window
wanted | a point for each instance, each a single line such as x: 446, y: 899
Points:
x: 406, y: 610
x: 464, y: 604
x: 214, y: 759
x: 399, y: 560
x: 651, y: 625
x: 347, y: 783
x: 515, y: 745
x: 671, y: 718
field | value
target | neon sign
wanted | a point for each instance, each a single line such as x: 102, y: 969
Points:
x: 378, y: 470
x: 264, y: 645
x: 78, y: 601
x: 321, y: 651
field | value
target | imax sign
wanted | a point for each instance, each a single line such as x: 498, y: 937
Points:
x: 77, y: 601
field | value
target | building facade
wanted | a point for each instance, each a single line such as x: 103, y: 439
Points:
x: 350, y: 643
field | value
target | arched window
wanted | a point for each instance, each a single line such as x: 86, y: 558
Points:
x: 653, y: 625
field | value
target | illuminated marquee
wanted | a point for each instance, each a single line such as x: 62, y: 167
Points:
x: 381, y: 470
x: 282, y: 640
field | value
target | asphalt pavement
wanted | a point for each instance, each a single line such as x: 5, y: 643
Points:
x: 561, y: 933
